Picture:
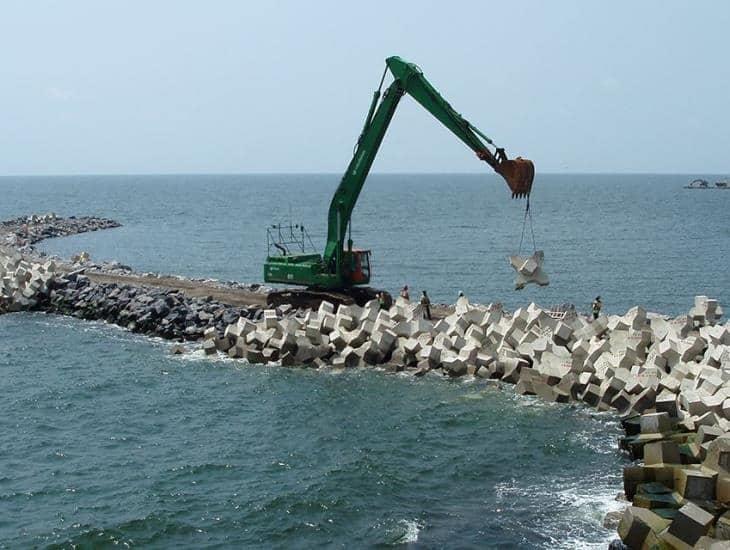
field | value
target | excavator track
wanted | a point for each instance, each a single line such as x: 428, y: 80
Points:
x: 310, y: 298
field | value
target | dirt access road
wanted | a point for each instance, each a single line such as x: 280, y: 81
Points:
x: 201, y: 289
x: 193, y: 289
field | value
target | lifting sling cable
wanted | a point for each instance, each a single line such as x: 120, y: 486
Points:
x: 528, y: 215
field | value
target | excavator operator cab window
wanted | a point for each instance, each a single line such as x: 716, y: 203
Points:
x: 365, y: 264
x: 360, y: 266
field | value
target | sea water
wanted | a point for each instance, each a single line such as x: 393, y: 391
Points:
x: 106, y: 439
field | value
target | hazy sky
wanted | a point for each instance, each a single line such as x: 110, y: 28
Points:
x: 238, y: 86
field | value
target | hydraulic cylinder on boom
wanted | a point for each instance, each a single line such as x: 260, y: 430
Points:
x: 341, y: 267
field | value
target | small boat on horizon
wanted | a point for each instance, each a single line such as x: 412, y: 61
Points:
x: 699, y: 183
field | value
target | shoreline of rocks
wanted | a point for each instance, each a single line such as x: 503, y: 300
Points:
x: 165, y: 313
x: 667, y: 378
x: 31, y: 280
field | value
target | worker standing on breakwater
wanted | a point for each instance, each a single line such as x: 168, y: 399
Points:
x: 426, y: 303
x: 596, y: 307
x: 404, y: 293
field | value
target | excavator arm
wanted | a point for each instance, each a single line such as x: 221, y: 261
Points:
x: 408, y: 78
x: 421, y: 90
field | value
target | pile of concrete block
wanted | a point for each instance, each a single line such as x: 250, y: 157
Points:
x: 22, y: 282
x: 681, y: 492
x: 668, y: 378
x: 706, y: 311
x: 629, y: 363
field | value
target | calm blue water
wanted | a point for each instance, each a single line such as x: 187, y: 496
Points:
x: 104, y: 438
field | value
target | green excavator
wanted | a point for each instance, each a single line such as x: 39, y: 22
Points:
x: 341, y: 273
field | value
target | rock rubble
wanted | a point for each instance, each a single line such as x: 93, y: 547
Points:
x: 24, y: 232
x: 158, y: 312
x: 31, y: 281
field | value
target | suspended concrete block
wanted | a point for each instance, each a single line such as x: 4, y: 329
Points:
x: 529, y: 270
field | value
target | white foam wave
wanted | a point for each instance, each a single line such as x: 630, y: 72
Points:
x: 587, y: 505
x: 410, y: 528
x: 191, y: 355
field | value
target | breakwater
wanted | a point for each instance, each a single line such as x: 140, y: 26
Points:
x: 23, y: 232
x: 25, y: 275
x: 169, y: 307
x: 152, y: 311
x: 665, y: 376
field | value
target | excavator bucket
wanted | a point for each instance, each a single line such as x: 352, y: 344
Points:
x: 518, y: 174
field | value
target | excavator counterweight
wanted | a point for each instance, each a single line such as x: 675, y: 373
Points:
x: 341, y: 267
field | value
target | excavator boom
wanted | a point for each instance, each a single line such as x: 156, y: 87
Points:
x: 518, y: 173
x: 342, y: 267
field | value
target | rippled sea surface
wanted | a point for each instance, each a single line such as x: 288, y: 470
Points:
x: 633, y: 239
x: 105, y: 438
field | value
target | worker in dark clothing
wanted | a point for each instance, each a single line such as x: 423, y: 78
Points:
x: 596, y: 307
x: 426, y: 303
x: 381, y: 300
x: 404, y: 293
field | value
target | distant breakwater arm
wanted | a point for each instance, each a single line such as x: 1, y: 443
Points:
x: 26, y: 276
x: 23, y: 232
x: 166, y: 306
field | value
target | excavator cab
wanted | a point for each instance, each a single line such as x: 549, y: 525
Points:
x: 357, y: 266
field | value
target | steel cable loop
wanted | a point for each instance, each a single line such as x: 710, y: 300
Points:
x: 528, y: 215
x: 532, y: 229
x: 522, y: 236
